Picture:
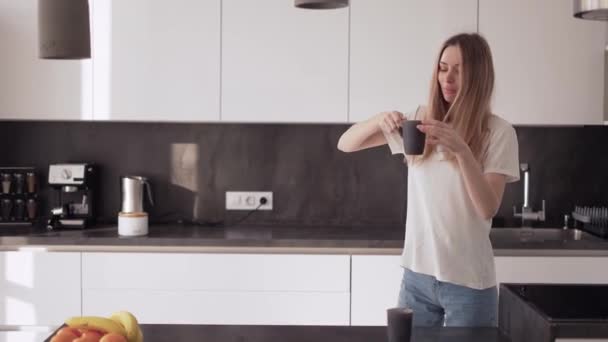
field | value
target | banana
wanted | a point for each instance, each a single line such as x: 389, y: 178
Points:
x: 102, y: 324
x: 140, y: 335
x: 129, y: 322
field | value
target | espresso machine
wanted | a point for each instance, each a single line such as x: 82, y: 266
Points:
x: 75, y: 187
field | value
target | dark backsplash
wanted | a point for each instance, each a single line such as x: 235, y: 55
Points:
x: 312, y: 182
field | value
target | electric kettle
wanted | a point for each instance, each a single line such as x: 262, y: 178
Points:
x: 132, y: 218
x: 133, y: 194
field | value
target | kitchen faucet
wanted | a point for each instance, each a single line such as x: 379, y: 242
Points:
x: 526, y: 210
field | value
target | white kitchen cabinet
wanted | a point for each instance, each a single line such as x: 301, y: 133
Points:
x: 219, y: 307
x: 394, y: 46
x: 219, y: 288
x: 39, y: 288
x: 33, y: 88
x: 283, y: 64
x: 376, y: 281
x: 566, y: 270
x: 156, y: 60
x: 549, y: 65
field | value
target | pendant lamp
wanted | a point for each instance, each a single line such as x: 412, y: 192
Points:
x: 63, y: 29
x: 321, y: 4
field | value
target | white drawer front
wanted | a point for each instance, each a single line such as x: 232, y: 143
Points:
x: 216, y: 272
x: 39, y: 288
x: 567, y: 270
x: 196, y: 307
x: 376, y: 280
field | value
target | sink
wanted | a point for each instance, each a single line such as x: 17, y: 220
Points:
x: 541, y: 234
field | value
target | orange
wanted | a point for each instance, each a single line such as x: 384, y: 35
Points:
x: 63, y: 337
x: 90, y: 332
x: 113, y: 337
x: 73, y: 331
x: 66, y: 334
x: 89, y: 336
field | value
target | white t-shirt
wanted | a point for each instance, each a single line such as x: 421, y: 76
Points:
x: 444, y: 236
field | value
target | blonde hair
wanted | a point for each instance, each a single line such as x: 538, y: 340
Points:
x: 468, y: 113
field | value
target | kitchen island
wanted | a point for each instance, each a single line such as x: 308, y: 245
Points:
x: 158, y: 333
x: 253, y: 333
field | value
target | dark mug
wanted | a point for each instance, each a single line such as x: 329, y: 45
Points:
x: 19, y: 209
x: 19, y: 180
x: 31, y: 208
x: 6, y: 207
x: 413, y: 139
x: 399, y: 326
x: 30, y: 179
x: 7, y: 179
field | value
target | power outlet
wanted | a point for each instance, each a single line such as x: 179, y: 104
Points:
x: 248, y: 200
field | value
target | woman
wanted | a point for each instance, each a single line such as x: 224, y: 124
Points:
x: 454, y: 188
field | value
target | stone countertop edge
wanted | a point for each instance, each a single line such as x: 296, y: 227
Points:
x: 281, y: 250
x: 201, y: 249
x: 265, y: 240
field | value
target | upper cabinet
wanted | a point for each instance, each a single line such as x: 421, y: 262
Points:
x: 283, y: 64
x: 268, y: 61
x: 394, y: 46
x: 32, y: 88
x: 156, y: 60
x: 549, y: 65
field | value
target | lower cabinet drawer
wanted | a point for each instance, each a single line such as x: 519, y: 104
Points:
x: 216, y: 272
x: 552, y: 270
x: 376, y: 281
x: 39, y: 288
x: 180, y: 288
x: 196, y: 307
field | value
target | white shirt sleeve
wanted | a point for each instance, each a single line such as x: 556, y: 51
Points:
x: 502, y: 153
x: 395, y: 142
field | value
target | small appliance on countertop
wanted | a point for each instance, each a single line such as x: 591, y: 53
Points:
x: 75, y: 187
x: 132, y: 218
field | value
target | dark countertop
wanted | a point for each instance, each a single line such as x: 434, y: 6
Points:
x: 186, y: 333
x: 176, y: 237
x: 287, y: 239
x: 258, y: 333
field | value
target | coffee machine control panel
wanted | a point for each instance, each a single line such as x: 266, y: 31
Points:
x: 67, y: 174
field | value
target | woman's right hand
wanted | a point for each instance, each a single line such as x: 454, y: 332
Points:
x: 369, y: 133
x: 390, y: 121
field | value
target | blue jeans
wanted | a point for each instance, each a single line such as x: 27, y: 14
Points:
x: 437, y: 303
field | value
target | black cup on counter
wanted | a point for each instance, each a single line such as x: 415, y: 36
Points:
x: 399, y: 326
x: 6, y: 208
x: 414, y: 140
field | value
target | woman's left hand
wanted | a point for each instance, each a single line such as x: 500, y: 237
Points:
x: 440, y: 133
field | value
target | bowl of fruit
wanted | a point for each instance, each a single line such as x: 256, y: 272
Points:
x: 121, y: 326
